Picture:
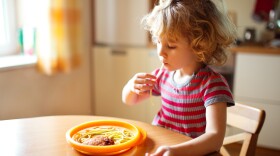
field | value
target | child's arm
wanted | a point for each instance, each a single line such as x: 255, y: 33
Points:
x: 138, y: 88
x: 209, y: 142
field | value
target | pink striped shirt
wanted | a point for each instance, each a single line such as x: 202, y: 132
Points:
x: 184, y: 105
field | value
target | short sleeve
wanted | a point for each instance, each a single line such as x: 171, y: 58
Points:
x: 217, y: 90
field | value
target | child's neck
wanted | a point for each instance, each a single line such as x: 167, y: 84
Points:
x: 180, y: 79
x: 190, y: 70
x: 184, y: 74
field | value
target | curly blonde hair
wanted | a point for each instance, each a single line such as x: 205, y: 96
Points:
x: 207, y: 30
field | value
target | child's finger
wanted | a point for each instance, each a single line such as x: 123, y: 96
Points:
x: 162, y: 151
x: 143, y: 87
x: 149, y: 82
x: 145, y: 76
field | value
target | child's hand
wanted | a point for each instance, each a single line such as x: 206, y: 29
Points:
x: 142, y: 83
x: 161, y: 151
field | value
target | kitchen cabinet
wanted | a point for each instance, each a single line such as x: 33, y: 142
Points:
x: 256, y: 83
x: 112, y: 68
x: 257, y: 77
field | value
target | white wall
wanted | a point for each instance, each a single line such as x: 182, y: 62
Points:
x: 26, y: 93
x: 244, y: 11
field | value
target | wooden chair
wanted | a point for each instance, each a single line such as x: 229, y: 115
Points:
x: 248, y: 119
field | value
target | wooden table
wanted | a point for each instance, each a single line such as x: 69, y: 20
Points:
x: 46, y: 136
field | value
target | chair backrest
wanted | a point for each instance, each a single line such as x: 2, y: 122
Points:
x: 248, y: 119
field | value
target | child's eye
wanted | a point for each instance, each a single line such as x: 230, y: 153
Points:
x: 171, y: 47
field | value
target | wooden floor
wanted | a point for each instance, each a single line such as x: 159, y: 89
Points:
x: 234, y: 150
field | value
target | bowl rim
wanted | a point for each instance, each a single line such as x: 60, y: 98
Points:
x: 103, y: 149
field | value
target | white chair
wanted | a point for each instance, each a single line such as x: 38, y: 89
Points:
x: 248, y: 119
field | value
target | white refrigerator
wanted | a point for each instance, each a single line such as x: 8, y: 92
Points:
x: 121, y: 51
x: 118, y: 22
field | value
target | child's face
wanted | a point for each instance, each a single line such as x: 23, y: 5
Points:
x: 175, y: 54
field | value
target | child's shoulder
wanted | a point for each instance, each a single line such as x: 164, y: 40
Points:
x: 207, y: 71
x: 208, y: 76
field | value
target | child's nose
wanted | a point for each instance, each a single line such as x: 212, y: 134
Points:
x: 161, y: 51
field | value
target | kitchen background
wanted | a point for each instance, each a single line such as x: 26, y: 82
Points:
x: 115, y: 47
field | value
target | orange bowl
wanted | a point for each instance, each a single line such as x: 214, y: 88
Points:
x: 139, y: 137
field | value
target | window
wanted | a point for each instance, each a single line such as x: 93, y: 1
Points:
x: 8, y: 30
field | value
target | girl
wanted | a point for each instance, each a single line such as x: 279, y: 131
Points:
x: 190, y: 35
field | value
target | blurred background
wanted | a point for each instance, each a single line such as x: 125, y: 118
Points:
x: 60, y: 57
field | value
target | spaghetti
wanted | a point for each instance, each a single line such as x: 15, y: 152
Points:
x: 151, y: 91
x: 103, y: 135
